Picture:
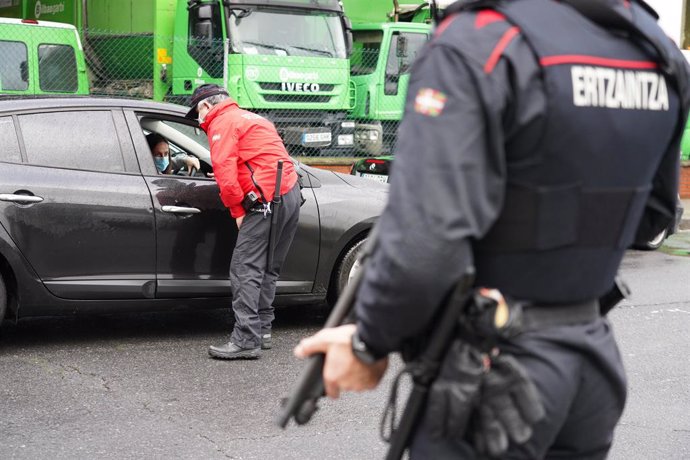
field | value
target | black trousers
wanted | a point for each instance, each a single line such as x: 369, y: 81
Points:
x: 253, y: 283
x: 579, y: 375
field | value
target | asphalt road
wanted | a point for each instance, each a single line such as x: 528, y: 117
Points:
x: 142, y: 386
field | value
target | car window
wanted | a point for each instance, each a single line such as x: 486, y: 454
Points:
x: 183, y: 139
x: 57, y: 68
x: 14, y: 74
x: 75, y: 140
x: 10, y: 144
x: 193, y: 133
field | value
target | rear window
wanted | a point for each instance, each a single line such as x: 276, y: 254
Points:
x: 57, y: 68
x: 10, y: 144
x: 14, y: 73
x: 76, y: 140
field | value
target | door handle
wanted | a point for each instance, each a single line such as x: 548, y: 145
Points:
x: 20, y: 199
x: 181, y: 210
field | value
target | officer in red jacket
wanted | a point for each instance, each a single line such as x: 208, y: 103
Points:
x: 245, y: 150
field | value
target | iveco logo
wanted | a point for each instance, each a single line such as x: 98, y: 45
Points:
x: 299, y: 87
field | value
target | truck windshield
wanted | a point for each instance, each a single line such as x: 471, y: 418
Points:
x: 287, y: 33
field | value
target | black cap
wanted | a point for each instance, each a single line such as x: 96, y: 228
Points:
x: 202, y: 92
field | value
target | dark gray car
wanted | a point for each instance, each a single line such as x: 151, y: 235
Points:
x: 87, y: 223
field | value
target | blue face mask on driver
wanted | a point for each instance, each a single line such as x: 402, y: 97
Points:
x: 161, y: 163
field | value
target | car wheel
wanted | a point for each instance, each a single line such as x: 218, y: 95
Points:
x: 657, y: 241
x: 348, y: 266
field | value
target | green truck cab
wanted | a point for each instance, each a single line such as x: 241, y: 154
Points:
x: 382, y: 57
x: 387, y: 37
x: 285, y: 59
x: 41, y: 58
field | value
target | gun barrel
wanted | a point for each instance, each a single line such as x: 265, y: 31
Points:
x: 301, y: 404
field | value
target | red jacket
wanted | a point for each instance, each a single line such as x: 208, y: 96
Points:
x: 238, y: 139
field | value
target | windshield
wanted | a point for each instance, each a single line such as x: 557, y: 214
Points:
x: 287, y: 33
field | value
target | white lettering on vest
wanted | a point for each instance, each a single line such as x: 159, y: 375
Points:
x: 618, y: 89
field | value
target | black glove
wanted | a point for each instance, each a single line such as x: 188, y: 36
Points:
x: 508, y: 408
x: 454, y: 394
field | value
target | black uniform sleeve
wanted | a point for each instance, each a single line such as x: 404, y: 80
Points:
x: 447, y: 189
x: 661, y: 205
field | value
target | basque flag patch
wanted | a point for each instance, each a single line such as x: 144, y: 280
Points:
x: 429, y: 102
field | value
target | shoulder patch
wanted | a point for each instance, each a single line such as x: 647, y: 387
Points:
x: 429, y: 102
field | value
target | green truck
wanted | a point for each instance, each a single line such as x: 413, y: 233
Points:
x: 387, y: 37
x: 285, y: 59
x: 40, y: 57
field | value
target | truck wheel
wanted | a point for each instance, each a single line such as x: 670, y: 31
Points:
x: 348, y: 267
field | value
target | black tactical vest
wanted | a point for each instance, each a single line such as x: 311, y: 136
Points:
x: 573, y: 204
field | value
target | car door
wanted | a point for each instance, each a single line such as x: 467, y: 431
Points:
x: 195, y: 234
x: 76, y: 205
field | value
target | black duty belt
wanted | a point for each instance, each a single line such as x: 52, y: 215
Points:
x: 543, y: 316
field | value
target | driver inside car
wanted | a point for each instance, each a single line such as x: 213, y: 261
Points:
x: 166, y: 164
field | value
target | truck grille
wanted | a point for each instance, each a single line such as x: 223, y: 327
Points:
x: 308, y: 98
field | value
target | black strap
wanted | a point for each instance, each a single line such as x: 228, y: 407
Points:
x: 261, y: 192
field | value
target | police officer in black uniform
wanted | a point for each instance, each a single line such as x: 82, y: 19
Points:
x: 540, y: 139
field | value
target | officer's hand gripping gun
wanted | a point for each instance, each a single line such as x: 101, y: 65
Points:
x: 302, y: 403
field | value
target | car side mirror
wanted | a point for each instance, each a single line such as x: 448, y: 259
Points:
x: 204, y: 13
x: 347, y: 25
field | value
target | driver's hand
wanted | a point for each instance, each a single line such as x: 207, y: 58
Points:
x: 192, y: 164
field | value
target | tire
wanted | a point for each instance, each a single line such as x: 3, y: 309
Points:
x: 346, y: 268
x: 657, y: 241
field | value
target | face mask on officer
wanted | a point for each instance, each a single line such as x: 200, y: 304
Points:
x: 202, y: 109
